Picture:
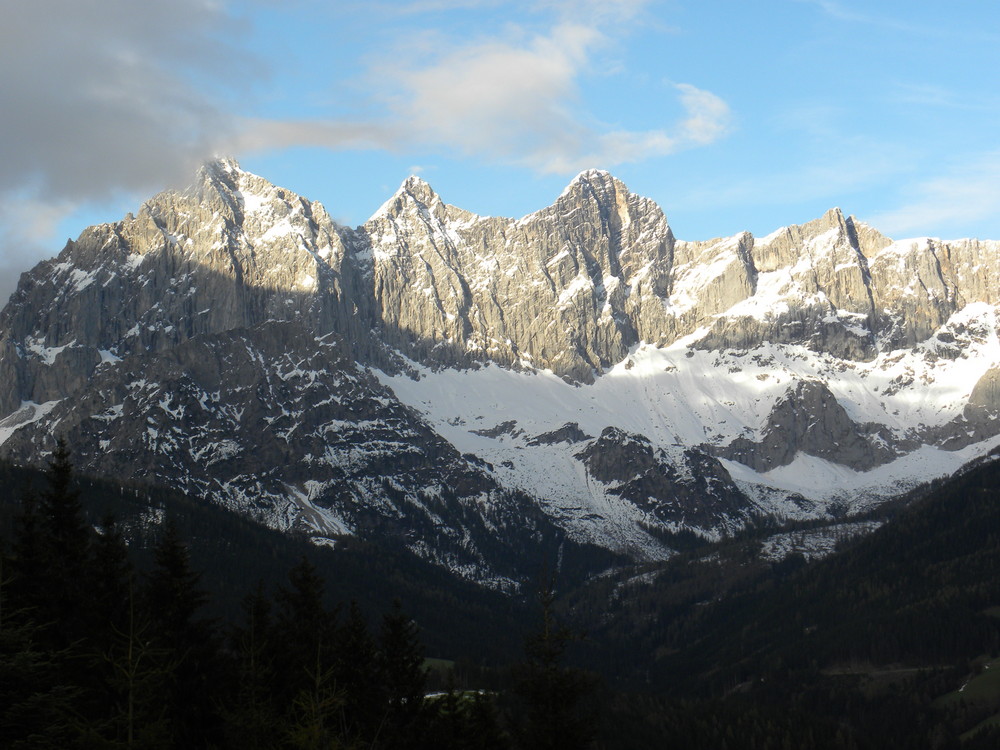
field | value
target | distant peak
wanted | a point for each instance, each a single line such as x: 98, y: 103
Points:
x: 414, y: 181
x: 413, y: 188
x: 222, y: 165
x: 219, y: 174
x: 417, y: 189
x: 591, y: 177
x: 592, y: 174
x: 598, y: 181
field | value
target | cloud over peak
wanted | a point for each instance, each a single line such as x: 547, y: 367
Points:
x: 513, y: 98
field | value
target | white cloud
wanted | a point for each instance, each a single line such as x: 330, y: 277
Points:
x: 96, y: 97
x: 498, y: 98
x: 27, y: 229
x: 967, y: 194
x: 101, y: 99
x: 708, y: 115
x: 514, y: 99
x: 902, y: 24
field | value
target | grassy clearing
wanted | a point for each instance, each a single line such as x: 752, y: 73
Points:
x: 440, y: 666
x: 983, y: 688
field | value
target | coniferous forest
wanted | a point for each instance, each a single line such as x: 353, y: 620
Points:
x: 98, y: 653
x: 132, y: 617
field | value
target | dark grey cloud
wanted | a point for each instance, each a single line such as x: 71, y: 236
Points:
x: 100, y: 98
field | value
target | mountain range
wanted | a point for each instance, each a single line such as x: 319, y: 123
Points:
x: 477, y: 387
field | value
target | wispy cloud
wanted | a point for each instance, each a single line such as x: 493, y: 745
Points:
x: 941, y: 97
x: 417, y: 7
x: 513, y: 98
x: 819, y: 182
x: 966, y: 194
x: 103, y: 98
x: 842, y: 12
x: 116, y: 95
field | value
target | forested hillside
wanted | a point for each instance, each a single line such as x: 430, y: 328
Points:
x: 107, y: 637
x: 867, y: 648
x: 197, y: 629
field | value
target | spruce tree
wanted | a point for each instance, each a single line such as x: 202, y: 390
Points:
x: 38, y: 704
x: 551, y: 712
x: 113, y: 574
x: 308, y: 632
x: 62, y: 513
x: 27, y: 560
x: 357, y: 672
x: 190, y: 652
x: 404, y: 679
x: 64, y: 578
x: 252, y: 718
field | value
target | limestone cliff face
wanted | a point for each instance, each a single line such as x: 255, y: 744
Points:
x: 232, y: 251
x: 252, y: 317
x: 811, y: 286
x: 918, y: 285
x: 553, y: 289
x: 570, y: 288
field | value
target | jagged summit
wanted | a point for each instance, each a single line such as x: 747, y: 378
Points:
x: 581, y: 355
x: 591, y: 176
x: 597, y: 183
x: 418, y: 189
x: 413, y: 189
x: 222, y: 165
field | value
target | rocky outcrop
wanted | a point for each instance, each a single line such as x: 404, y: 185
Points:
x: 549, y: 290
x: 810, y: 419
x: 979, y: 420
x: 234, y: 325
x: 986, y: 393
x: 696, y: 491
x: 812, y: 286
x: 282, y: 426
x: 233, y: 251
x: 568, y: 433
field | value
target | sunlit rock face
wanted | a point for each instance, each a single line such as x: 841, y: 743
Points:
x: 231, y: 251
x: 559, y: 289
x: 451, y: 380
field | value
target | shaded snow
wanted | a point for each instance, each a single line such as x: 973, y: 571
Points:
x: 28, y: 412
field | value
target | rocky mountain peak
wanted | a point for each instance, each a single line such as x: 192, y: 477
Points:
x: 221, y: 167
x: 219, y: 176
x: 819, y: 343
x: 594, y: 180
x: 417, y: 189
x: 414, y: 194
x: 597, y: 186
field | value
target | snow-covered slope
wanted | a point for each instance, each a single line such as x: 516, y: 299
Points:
x: 679, y: 397
x: 472, y: 386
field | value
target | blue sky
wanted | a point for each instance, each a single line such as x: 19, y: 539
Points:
x: 731, y: 115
